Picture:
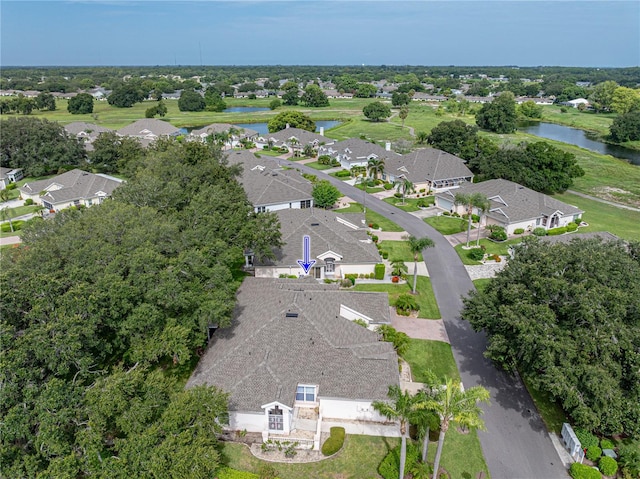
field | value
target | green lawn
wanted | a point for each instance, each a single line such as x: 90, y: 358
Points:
x: 273, y: 153
x: 447, y: 225
x: 584, y: 120
x: 352, y: 208
x: 317, y: 166
x: 398, y: 250
x: 370, y: 189
x: 410, y: 204
x: 359, y: 459
x: 423, y: 355
x: 384, y: 223
x: 23, y: 210
x: 481, y: 284
x: 491, y: 247
x: 551, y: 412
x: 424, y: 294
x: 342, y: 178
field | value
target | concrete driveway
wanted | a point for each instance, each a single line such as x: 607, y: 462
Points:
x: 516, y: 444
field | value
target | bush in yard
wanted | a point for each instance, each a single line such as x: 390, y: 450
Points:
x: 540, y: 231
x: 384, y: 254
x: 228, y: 473
x: 389, y: 468
x: 388, y: 186
x: 586, y: 438
x: 380, y: 270
x: 28, y: 202
x: 342, y: 174
x: 594, y: 453
x: 476, y: 254
x: 375, y: 226
x: 346, y: 283
x: 571, y: 227
x: 518, y: 231
x: 607, y: 444
x: 334, y: 442
x: 11, y: 186
x: 608, y: 466
x: 582, y: 471
x: 557, y: 231
x: 498, y: 234
x: 6, y: 227
x: 374, y: 238
x: 406, y: 303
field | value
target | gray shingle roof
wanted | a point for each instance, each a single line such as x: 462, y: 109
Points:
x: 146, y: 125
x: 304, y: 137
x: 326, y: 233
x: 84, y: 129
x: 266, y: 183
x: 356, y: 149
x: 512, y: 203
x: 601, y: 235
x: 428, y: 164
x: 264, y: 355
x: 72, y: 185
x: 222, y: 127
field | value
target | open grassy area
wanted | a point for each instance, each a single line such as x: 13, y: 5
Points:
x: 23, y: 210
x: 481, y: 284
x: 273, y: 153
x: 370, y: 189
x: 584, y: 120
x: 384, y: 223
x: 317, y: 166
x: 448, y: 225
x: 424, y: 294
x: 398, y: 250
x: 410, y: 204
x: 550, y: 411
x: 352, y: 208
x: 423, y: 355
x: 491, y: 247
x: 359, y: 459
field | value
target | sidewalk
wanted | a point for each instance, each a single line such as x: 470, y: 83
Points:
x: 418, y: 328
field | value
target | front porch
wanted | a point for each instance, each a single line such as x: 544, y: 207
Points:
x: 305, y: 431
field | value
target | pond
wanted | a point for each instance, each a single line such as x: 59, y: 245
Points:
x: 245, y: 109
x: 579, y: 138
x: 263, y: 130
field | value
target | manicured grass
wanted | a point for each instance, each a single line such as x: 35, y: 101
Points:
x: 398, y: 250
x: 359, y: 459
x: 481, y: 284
x: 491, y: 247
x: 384, y: 223
x: 551, y: 412
x: 23, y: 210
x: 408, y: 205
x: 423, y: 355
x: 603, y: 217
x: 424, y: 294
x: 273, y: 153
x: 13, y: 194
x: 317, y: 166
x: 6, y: 234
x: 352, y: 208
x: 584, y: 120
x: 461, y: 454
x: 447, y: 225
x: 370, y: 189
x: 342, y: 178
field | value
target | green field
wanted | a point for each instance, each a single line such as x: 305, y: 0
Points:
x: 398, y: 250
x: 448, y: 225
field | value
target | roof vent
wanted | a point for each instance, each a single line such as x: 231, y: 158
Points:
x: 291, y: 315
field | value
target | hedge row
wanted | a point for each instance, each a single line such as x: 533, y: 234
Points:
x: 379, y: 271
x: 334, y: 442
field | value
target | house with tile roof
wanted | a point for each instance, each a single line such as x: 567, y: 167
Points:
x: 356, y: 152
x: 269, y: 186
x: 338, y: 244
x: 295, y: 364
x: 73, y: 188
x: 429, y: 169
x: 87, y: 132
x: 513, y: 206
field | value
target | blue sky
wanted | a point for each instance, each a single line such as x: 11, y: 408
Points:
x: 333, y: 32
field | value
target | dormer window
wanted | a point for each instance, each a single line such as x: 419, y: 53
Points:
x: 306, y: 393
x: 329, y: 265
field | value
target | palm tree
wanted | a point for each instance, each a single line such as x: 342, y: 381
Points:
x: 426, y: 419
x: 452, y: 404
x: 400, y: 407
x: 403, y: 185
x: 482, y: 206
x: 397, y: 267
x: 375, y: 167
x: 6, y: 214
x: 416, y: 245
x: 422, y: 137
x: 470, y: 200
x: 404, y: 113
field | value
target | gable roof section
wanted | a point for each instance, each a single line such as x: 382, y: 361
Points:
x: 304, y: 137
x: 264, y: 355
x: 514, y: 202
x: 223, y: 127
x: 266, y: 183
x: 326, y: 233
x: 355, y: 149
x: 428, y: 164
x: 84, y: 129
x: 72, y: 185
x: 149, y: 126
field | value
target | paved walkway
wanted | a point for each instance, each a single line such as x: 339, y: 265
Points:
x: 7, y: 240
x: 600, y: 200
x: 418, y: 328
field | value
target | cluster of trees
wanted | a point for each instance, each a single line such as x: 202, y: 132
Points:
x: 80, y: 104
x: 105, y: 309
x: 566, y: 317
x: 40, y: 147
x: 294, y: 119
x: 377, y: 111
x: 500, y: 115
x: 191, y: 100
x: 626, y: 127
x: 24, y: 105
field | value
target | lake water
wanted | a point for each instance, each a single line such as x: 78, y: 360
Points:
x: 579, y: 138
x: 263, y: 130
x: 245, y: 109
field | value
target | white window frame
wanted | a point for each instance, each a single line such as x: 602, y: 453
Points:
x: 307, y: 391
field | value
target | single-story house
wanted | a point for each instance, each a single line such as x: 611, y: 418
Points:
x: 149, y: 130
x: 295, y: 364
x: 356, y: 152
x: 338, y: 245
x: 294, y: 139
x: 87, y: 132
x: 270, y: 187
x: 429, y: 169
x: 238, y: 135
x: 577, y: 102
x: 512, y: 206
x: 73, y: 188
x: 9, y: 175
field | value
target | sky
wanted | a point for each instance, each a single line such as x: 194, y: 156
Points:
x: 320, y: 32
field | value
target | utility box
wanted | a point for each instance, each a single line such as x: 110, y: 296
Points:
x: 571, y: 443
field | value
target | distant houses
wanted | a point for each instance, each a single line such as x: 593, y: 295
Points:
x: 86, y: 132
x: 9, y: 175
x: 356, y: 152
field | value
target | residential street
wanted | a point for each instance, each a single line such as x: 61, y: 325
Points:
x: 516, y: 444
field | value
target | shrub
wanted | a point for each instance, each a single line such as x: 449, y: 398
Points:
x: 342, y: 174
x: 351, y: 277
x: 397, y: 195
x: 476, y: 254
x: 11, y: 186
x: 571, y: 227
x: 387, y: 186
x: 28, y: 202
x: 582, y: 471
x: 578, y: 221
x: 475, y: 218
x: 380, y: 269
x: 593, y: 453
x: 375, y: 226
x: 496, y: 258
x: 385, y: 254
x: 334, y: 442
x: 390, y: 465
x: 586, y: 439
x: 557, y: 231
x: 518, y: 231
x: 608, y: 466
x: 406, y: 303
x: 395, y: 279
x: 540, y: 231
x: 346, y: 283
x: 422, y: 203
x: 607, y: 444
x: 374, y: 238
x: 228, y: 473
x: 446, y: 213
x: 498, y: 234
x: 267, y: 471
x: 6, y: 227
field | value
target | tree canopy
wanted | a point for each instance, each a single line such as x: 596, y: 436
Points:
x: 80, y: 104
x: 40, y: 147
x: 118, y: 310
x: 325, y: 194
x: 191, y: 100
x: 626, y: 127
x: 376, y: 111
x: 500, y: 115
x: 538, y: 165
x: 313, y: 96
x: 126, y: 95
x: 294, y: 119
x: 567, y: 317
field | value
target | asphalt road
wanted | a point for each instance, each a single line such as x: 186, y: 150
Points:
x: 516, y: 444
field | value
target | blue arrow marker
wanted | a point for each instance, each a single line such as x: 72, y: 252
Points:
x: 306, y: 263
